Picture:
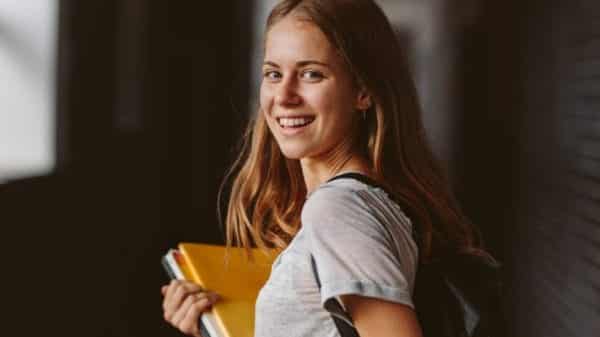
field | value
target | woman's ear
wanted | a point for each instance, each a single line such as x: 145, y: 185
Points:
x: 363, y: 100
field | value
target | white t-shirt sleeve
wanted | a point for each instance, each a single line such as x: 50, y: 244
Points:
x: 360, y: 247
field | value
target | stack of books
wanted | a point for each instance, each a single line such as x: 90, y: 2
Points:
x: 229, y: 272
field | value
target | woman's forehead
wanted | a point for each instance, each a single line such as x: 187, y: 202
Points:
x: 294, y: 39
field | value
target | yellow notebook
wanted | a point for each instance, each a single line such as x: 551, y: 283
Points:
x: 229, y: 273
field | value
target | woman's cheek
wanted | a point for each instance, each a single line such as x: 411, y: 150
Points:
x: 264, y: 98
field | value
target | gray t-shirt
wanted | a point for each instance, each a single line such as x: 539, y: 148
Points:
x: 362, y: 244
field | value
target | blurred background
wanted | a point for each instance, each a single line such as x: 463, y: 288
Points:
x: 118, y: 120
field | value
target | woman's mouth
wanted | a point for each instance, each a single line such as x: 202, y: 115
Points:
x: 294, y: 125
x: 294, y: 122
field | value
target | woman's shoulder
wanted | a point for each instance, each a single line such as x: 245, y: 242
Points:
x: 349, y: 213
x: 347, y: 199
x: 334, y: 195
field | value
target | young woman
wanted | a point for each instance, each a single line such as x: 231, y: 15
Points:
x: 336, y: 171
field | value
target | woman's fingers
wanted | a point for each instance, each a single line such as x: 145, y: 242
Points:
x: 168, y: 296
x: 189, y: 322
x: 195, y: 304
x: 180, y: 313
x: 176, y: 293
x: 183, y: 304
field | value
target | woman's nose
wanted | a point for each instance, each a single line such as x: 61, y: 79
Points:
x: 287, y: 93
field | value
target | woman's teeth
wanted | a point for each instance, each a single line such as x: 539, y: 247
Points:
x: 295, y: 122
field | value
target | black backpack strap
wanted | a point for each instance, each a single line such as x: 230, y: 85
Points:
x: 342, y: 320
x: 357, y: 176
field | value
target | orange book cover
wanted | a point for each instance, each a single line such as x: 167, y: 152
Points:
x: 235, y: 277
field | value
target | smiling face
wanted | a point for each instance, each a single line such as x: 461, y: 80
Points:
x: 307, y: 94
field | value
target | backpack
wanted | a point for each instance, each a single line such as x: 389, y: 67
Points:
x: 457, y: 296
x: 460, y: 296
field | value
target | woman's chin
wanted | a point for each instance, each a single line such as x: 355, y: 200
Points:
x: 292, y: 155
x: 291, y: 152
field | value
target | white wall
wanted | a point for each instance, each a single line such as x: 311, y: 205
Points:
x: 28, y: 35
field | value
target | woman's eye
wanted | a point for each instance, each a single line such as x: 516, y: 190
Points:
x: 272, y: 75
x: 312, y: 75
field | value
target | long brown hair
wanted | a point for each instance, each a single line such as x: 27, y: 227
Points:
x: 268, y: 190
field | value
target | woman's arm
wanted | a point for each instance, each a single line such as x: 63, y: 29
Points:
x: 379, y: 318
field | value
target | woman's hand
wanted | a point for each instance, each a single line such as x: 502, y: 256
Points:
x: 183, y: 304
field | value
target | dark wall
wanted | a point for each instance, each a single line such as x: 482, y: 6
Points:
x: 531, y: 160
x: 490, y: 78
x: 147, y: 91
x: 559, y: 179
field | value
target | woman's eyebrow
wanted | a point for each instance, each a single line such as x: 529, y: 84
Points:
x: 309, y: 62
x: 299, y: 63
x: 272, y: 64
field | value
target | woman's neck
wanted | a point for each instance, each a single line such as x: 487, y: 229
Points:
x: 316, y: 172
